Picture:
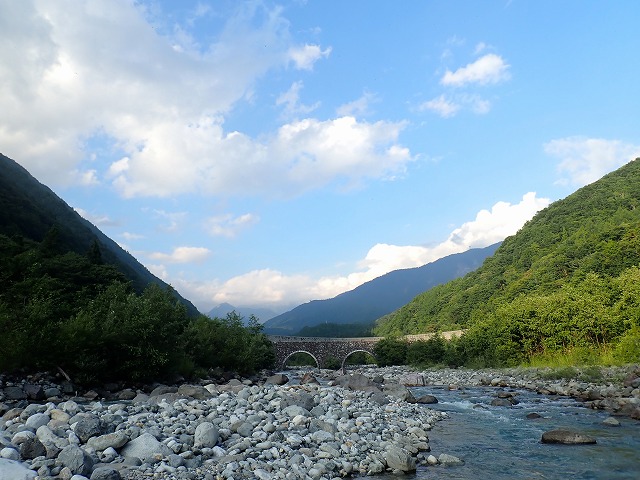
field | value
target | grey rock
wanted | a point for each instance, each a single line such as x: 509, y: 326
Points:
x: 12, y: 470
x: 163, y: 389
x: 612, y: 422
x: 105, y: 473
x: 194, y: 391
x: 206, y: 435
x: 147, y: 448
x: 399, y: 391
x: 446, y: 459
x: 14, y: 393
x: 114, y: 440
x: 399, y: 459
x: 567, y: 437
x: 76, y: 460
x: 32, y: 448
x: 277, y: 379
x: 37, y: 420
x: 10, y: 453
x: 34, y: 392
x: 88, y: 426
x: 427, y: 399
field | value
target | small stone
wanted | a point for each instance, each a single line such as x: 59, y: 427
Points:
x: 105, y: 473
x: 612, y: 422
x: 446, y: 459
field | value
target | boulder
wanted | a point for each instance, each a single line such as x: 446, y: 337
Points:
x: 12, y: 470
x: 398, y: 459
x: 114, y: 440
x: 194, y: 391
x: 105, y: 473
x: 308, y: 378
x: 76, y: 460
x: 446, y: 459
x: 147, y: 448
x: 206, y: 435
x: 31, y: 448
x: 14, y: 393
x: 34, y: 392
x: 399, y: 391
x: 88, y: 426
x: 567, y: 437
x: 277, y: 379
x: 533, y: 416
x: 427, y: 399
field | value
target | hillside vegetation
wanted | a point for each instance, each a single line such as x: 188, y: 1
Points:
x: 71, y: 298
x: 568, y: 279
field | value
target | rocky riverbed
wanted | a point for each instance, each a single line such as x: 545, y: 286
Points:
x: 364, y: 423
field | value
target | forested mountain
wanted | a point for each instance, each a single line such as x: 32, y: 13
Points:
x: 29, y: 210
x: 569, y: 277
x: 364, y: 304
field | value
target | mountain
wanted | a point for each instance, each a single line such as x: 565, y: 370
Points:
x: 371, y: 300
x: 221, y: 311
x: 30, y: 209
x: 583, y: 248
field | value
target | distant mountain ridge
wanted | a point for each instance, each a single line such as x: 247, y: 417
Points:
x: 31, y: 209
x: 221, y: 311
x: 380, y: 296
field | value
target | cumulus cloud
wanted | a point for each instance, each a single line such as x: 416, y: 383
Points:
x: 488, y: 69
x: 272, y: 287
x: 77, y: 69
x: 584, y: 160
x: 304, y: 57
x: 182, y: 255
x: 228, y: 225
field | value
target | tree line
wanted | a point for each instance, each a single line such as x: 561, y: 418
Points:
x: 63, y: 309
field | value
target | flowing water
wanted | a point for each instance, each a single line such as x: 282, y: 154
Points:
x: 501, y: 443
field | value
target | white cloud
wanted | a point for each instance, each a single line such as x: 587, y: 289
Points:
x: 272, y: 287
x: 304, y: 57
x: 442, y: 106
x: 488, y: 69
x: 448, y: 106
x: 77, y: 69
x: 584, y: 160
x: 291, y: 101
x: 300, y: 156
x: 358, y: 107
x: 131, y: 236
x: 182, y: 255
x: 228, y: 226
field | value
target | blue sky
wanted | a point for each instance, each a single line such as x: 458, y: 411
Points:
x: 270, y: 153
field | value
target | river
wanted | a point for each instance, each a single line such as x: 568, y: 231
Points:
x: 502, y: 443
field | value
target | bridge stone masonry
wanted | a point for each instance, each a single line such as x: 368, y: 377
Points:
x: 323, y: 348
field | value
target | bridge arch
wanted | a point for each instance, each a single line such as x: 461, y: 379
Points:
x: 284, y: 361
x: 368, y: 352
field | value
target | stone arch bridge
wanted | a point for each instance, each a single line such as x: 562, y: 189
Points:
x: 323, y: 348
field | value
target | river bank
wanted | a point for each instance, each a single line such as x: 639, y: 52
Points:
x: 364, y: 423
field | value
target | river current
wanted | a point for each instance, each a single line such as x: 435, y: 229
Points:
x: 502, y: 443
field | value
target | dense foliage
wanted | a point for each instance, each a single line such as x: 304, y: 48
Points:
x: 568, y: 279
x: 62, y: 309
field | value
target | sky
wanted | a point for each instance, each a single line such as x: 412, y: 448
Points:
x: 267, y: 153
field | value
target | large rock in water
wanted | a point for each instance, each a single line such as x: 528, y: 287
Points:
x: 567, y: 437
x: 398, y: 459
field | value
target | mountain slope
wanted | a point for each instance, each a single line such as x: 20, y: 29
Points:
x: 30, y: 209
x: 221, y: 311
x: 378, y: 297
x: 593, y: 232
